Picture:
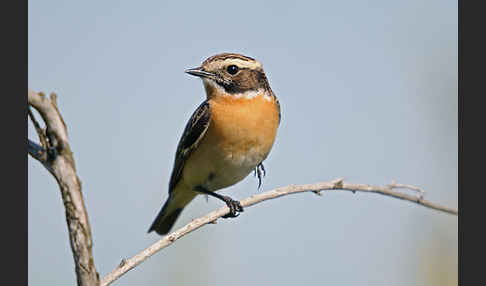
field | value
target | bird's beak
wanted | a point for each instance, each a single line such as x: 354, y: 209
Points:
x: 199, y: 72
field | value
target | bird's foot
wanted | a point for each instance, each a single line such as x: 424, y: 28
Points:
x: 260, y: 172
x: 234, y: 206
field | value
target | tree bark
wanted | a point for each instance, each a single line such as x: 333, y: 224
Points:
x: 55, y: 154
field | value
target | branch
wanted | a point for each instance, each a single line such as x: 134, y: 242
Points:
x: 336, y: 185
x: 55, y: 154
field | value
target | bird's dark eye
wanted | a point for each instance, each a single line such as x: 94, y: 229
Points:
x: 232, y: 69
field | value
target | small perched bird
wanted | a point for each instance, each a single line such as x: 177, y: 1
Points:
x: 228, y: 136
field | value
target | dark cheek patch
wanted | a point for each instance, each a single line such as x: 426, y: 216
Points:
x: 246, y: 80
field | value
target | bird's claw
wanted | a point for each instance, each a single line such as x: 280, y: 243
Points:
x: 234, y: 206
x: 260, y: 172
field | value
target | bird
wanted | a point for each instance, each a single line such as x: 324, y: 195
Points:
x: 227, y: 137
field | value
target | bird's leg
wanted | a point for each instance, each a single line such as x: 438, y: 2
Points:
x: 234, y: 206
x: 260, y: 172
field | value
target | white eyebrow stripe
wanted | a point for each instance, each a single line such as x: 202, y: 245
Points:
x: 238, y: 62
x: 243, y: 64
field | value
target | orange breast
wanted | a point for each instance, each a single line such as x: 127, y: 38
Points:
x: 241, y: 124
x: 240, y: 136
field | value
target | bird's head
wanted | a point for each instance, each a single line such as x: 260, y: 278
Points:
x: 231, y: 74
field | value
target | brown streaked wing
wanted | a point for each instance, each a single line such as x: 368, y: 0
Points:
x: 192, y: 135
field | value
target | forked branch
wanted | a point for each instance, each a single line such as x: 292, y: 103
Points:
x: 317, y: 188
x: 55, y: 154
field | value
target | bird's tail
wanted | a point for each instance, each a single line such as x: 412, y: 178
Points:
x: 171, y: 210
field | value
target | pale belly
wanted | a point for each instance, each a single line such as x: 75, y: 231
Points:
x: 225, y: 169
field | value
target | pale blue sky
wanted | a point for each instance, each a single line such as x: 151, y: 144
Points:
x: 368, y: 91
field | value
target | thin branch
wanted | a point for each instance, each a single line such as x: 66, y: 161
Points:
x: 56, y: 156
x: 40, y: 131
x: 40, y: 154
x: 336, y: 185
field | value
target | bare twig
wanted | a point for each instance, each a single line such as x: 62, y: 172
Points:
x: 40, y: 131
x: 336, y: 185
x: 56, y: 156
x: 40, y: 154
